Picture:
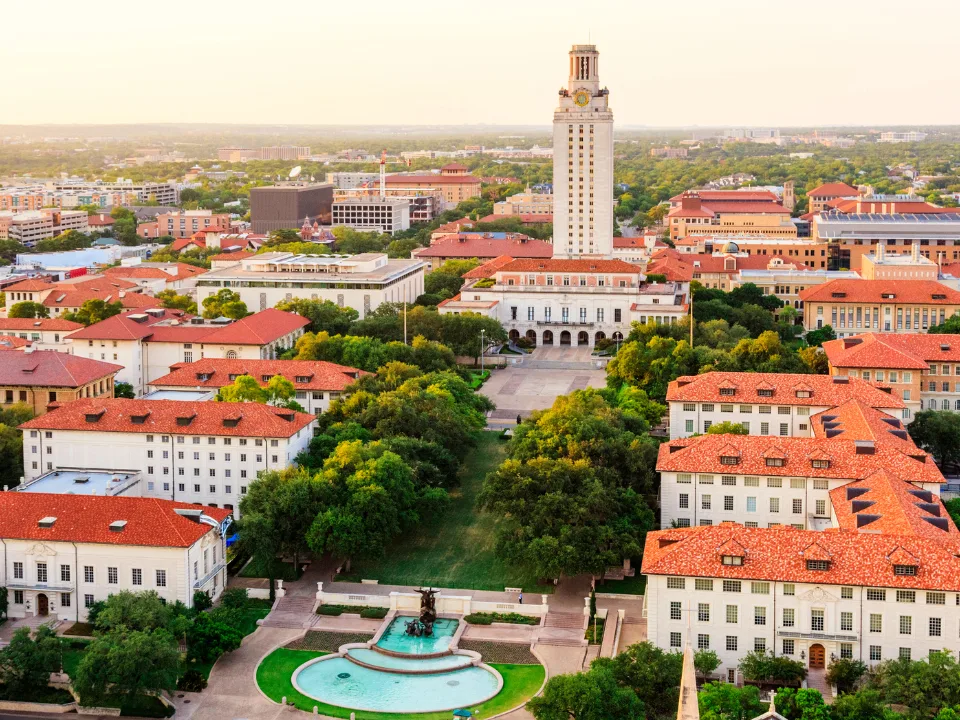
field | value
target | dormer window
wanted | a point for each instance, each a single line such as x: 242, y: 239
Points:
x: 904, y: 569
x: 729, y: 460
x: 732, y: 559
x: 266, y: 378
x: 838, y: 294
x: 303, y: 378
x: 939, y: 296
x: 765, y: 392
x: 203, y: 377
x: 804, y: 394
x: 233, y: 376
x: 820, y: 464
x: 776, y: 462
x: 139, y: 419
x: 818, y: 565
x: 728, y: 391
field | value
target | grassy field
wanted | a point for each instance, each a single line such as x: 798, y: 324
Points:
x: 627, y: 586
x: 274, y: 676
x: 456, y: 551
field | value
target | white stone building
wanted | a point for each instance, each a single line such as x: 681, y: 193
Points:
x: 198, y: 452
x: 148, y: 343
x: 778, y: 404
x: 43, y: 333
x: 378, y: 214
x: 362, y: 282
x: 62, y: 553
x: 583, y: 161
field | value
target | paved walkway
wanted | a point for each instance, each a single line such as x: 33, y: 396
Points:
x: 521, y: 389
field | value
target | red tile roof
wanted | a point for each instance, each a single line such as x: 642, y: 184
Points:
x: 76, y: 299
x: 908, y: 351
x: 884, y: 504
x: 86, y: 519
x: 12, y: 342
x: 432, y: 180
x: 317, y: 374
x: 752, y: 208
x: 825, y: 391
x: 455, y: 225
x: 181, y: 243
x: 780, y: 555
x: 38, y: 324
x: 926, y: 292
x: 31, y: 285
x: 100, y: 220
x: 471, y: 245
x: 239, y: 255
x: 169, y: 416
x: 261, y: 328
x: 123, y: 327
x: 488, y: 269
x: 562, y: 265
x: 834, y: 189
x: 49, y: 368
x: 702, y: 454
x: 525, y: 218
x: 181, y: 270
x: 732, y: 196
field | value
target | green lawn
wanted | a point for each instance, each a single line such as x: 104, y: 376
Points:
x: 282, y: 570
x: 628, y: 586
x: 456, y: 551
x: 274, y: 676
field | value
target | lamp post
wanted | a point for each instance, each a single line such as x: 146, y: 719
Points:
x: 482, y: 348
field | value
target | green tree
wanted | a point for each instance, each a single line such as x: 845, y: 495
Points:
x: 284, y: 235
x: 28, y: 309
x: 245, y: 388
x: 763, y: 667
x: 324, y: 315
x: 171, y: 300
x: 145, y: 611
x: 208, y: 639
x: 593, y: 695
x: 9, y: 249
x: 123, y: 390
x: 26, y: 662
x: 226, y: 303
x: 846, y: 673
x: 816, y: 338
x: 867, y: 705
x: 94, y: 311
x: 127, y: 663
x: 462, y: 333
x: 951, y: 326
x: 727, y: 427
x: 705, y: 662
x: 651, y: 673
x: 723, y: 701
x: 937, y: 431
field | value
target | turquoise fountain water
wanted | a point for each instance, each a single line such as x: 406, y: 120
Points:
x: 401, y: 674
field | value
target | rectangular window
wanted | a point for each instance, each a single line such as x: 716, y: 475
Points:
x: 759, y: 616
x: 684, y: 501
x: 774, y: 505
x: 161, y: 578
x: 703, y: 612
x: 876, y: 594
x: 676, y: 611
x: 728, y: 502
x: 936, y: 598
x: 846, y: 621
x: 675, y: 583
x: 936, y: 627
x: 816, y: 620
x: 41, y: 572
x: 18, y: 571
x: 751, y: 504
x: 732, y: 643
x: 846, y: 651
x: 906, y: 624
x: 88, y: 573
x: 112, y: 577
x: 789, y: 589
x: 759, y: 588
x: 906, y: 596
x: 705, y: 502
x: 797, y: 506
x: 137, y: 576
x: 676, y: 640
x: 64, y: 573
x: 65, y: 600
x: 88, y: 601
x: 789, y: 617
x: 701, y: 584
x: 905, y: 652
x: 820, y: 507
x: 875, y: 653
x: 876, y: 622
x: 731, y: 586
x: 703, y: 642
x: 760, y: 644
x: 733, y: 614
x: 788, y: 647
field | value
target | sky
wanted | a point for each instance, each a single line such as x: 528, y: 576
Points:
x: 432, y: 62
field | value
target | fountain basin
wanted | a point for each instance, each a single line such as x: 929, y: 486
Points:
x: 392, y: 663
x: 395, y: 640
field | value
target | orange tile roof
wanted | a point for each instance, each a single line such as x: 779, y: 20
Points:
x: 825, y: 391
x: 926, y: 292
x: 884, y: 504
x: 86, y: 519
x: 907, y: 351
x: 702, y: 454
x: 432, y: 180
x: 31, y: 285
x: 777, y: 555
x: 854, y: 419
x: 304, y: 374
x: 562, y: 265
x: 123, y: 327
x: 525, y: 218
x: 181, y: 243
x: 488, y: 269
x: 76, y: 299
x: 12, y: 342
x: 239, y: 255
x: 732, y: 196
x: 261, y: 328
x: 38, y: 324
x: 470, y: 245
x: 834, y: 189
x: 865, y: 205
x: 49, y: 368
x: 180, y: 417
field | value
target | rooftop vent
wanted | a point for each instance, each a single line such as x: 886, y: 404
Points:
x: 155, y: 312
x: 854, y: 492
x: 675, y: 448
x: 46, y: 522
x: 851, y: 342
x: 890, y: 296
x: 196, y: 321
x: 924, y: 495
x: 864, y: 447
x: 939, y: 522
x: 287, y: 415
x: 838, y: 294
x: 184, y: 420
x: 834, y: 432
x: 891, y: 421
x: 139, y: 419
x: 118, y: 525
x: 189, y: 513
x: 944, y: 347
x: 138, y: 317
x: 902, y: 434
x: 858, y: 505
x: 863, y: 520
x: 232, y: 422
x: 93, y: 417
x: 841, y: 380
x: 939, y: 296
x: 81, y: 480
x: 931, y: 508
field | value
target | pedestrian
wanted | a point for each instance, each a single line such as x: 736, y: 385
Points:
x: 519, y: 419
x: 520, y: 600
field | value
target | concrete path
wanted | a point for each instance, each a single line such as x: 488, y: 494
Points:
x: 521, y: 389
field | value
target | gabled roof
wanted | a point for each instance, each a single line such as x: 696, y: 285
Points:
x: 732, y: 196
x: 825, y: 390
x: 906, y: 351
x: 488, y: 269
x: 473, y: 245
x: 261, y: 328
x: 123, y: 327
x: 104, y: 415
x: 238, y: 256
x: 87, y: 519
x: 38, y: 324
x: 833, y: 189
x: 856, y: 420
x: 49, y: 368
x: 777, y: 555
x: 31, y: 285
x: 304, y: 374
x: 578, y: 266
x: 927, y: 292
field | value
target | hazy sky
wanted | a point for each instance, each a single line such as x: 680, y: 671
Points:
x: 697, y: 62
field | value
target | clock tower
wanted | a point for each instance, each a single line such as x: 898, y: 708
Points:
x: 583, y: 162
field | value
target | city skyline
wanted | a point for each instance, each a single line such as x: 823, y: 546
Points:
x: 747, y: 67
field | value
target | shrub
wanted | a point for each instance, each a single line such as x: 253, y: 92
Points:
x: 845, y: 673
x: 762, y: 667
x: 482, y: 618
x: 376, y: 613
x: 201, y: 601
x: 235, y: 597
x: 192, y: 681
x: 330, y: 610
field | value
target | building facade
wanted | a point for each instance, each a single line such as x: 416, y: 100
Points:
x: 185, y: 223
x: 198, y: 452
x: 388, y: 215
x: 43, y: 333
x: 525, y: 203
x: 583, y: 161
x: 282, y: 207
x: 63, y: 553
x: 43, y: 379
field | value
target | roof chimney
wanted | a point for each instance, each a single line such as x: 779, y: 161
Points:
x: 47, y: 522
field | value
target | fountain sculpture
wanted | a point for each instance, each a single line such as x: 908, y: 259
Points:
x: 423, y: 625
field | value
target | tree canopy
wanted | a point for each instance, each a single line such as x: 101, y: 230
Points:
x: 226, y: 303
x: 94, y: 311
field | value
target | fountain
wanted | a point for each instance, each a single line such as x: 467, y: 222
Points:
x: 423, y: 625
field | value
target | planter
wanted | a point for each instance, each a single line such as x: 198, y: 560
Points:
x: 21, y: 706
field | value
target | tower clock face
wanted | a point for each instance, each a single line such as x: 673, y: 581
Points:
x: 581, y: 98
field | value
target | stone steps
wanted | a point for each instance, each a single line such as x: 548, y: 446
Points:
x: 295, y: 604
x: 564, y: 620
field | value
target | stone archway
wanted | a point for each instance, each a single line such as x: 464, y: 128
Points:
x: 532, y: 336
x: 618, y: 336
x: 583, y: 338
x: 565, y: 337
x: 818, y: 657
x: 598, y: 336
x: 514, y: 335
x: 548, y: 337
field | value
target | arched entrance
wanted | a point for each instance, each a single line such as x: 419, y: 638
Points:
x: 548, y: 337
x: 43, y: 605
x: 583, y: 338
x: 817, y: 657
x: 514, y: 335
x: 618, y: 336
x: 600, y: 335
x: 565, y: 337
x: 532, y: 336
